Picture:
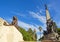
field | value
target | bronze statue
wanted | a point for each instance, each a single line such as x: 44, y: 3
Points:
x: 14, y: 22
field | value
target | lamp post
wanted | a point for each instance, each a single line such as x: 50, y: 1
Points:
x: 40, y: 28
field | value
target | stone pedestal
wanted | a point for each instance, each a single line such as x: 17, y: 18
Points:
x: 49, y: 41
x: 9, y: 33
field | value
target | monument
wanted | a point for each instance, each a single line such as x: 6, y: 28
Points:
x: 9, y: 33
x: 51, y: 32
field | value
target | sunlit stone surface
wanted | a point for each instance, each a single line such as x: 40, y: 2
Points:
x: 47, y: 15
x: 9, y: 33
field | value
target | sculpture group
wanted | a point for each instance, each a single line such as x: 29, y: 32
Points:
x: 51, y: 32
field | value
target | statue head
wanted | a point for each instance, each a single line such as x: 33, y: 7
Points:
x: 14, y: 18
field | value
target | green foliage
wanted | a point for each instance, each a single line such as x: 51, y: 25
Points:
x: 26, y: 35
x: 30, y: 31
x: 58, y: 31
x: 33, y: 34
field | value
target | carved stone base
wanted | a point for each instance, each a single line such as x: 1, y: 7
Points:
x: 49, y: 41
x: 51, y: 36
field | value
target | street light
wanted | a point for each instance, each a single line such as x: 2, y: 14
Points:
x: 40, y: 28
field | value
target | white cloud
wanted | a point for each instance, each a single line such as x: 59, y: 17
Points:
x: 38, y: 16
x: 27, y: 26
x: 19, y: 14
x: 10, y: 19
x: 58, y: 24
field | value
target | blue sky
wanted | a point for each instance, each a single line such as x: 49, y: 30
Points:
x: 30, y: 13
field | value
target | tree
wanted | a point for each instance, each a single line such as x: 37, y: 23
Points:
x: 26, y: 36
x: 32, y: 33
x: 55, y: 27
x: 58, y: 31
